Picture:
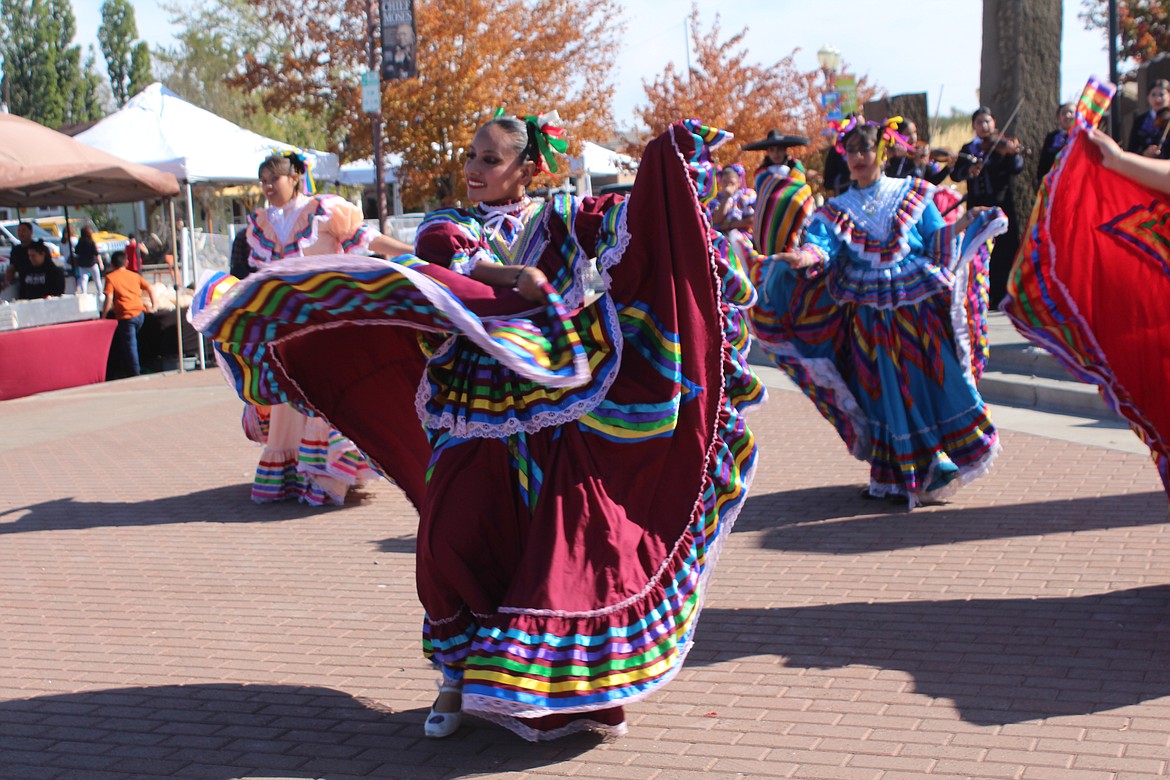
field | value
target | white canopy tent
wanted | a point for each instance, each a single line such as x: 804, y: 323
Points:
x: 360, y: 173
x: 159, y: 129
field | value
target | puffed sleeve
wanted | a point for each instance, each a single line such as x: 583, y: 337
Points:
x: 940, y: 241
x: 821, y: 242
x: 930, y: 222
x: 452, y: 242
x: 345, y: 222
x: 593, y: 225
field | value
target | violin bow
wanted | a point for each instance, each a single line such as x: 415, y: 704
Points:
x: 1003, y: 131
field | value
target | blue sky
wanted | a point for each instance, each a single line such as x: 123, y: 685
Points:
x: 930, y: 46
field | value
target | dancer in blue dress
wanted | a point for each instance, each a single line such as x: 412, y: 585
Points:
x: 879, y: 318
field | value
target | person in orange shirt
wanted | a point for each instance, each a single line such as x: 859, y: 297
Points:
x: 124, y: 290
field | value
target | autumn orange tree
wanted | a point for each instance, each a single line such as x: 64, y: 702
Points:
x: 527, y: 56
x: 723, y: 89
x: 1144, y: 26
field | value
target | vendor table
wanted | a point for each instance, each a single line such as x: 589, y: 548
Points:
x: 51, y: 357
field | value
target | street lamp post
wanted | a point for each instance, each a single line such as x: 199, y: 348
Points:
x: 375, y: 55
x: 829, y: 58
x: 1115, y: 107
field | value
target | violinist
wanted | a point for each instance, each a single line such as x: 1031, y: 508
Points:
x: 915, y: 159
x: 988, y: 163
x: 1054, y: 141
x: 1145, y: 136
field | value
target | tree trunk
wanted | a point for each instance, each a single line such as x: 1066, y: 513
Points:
x: 1021, y: 62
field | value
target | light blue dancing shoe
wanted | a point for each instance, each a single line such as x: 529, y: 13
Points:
x: 444, y: 724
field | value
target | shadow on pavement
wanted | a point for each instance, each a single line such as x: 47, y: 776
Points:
x: 794, y: 520
x: 226, y: 504
x: 999, y: 660
x: 398, y: 544
x: 224, y: 731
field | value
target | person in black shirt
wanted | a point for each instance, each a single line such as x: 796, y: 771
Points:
x: 240, y: 267
x: 19, y: 255
x: 36, y: 275
x: 914, y: 161
x: 988, y: 163
x: 1054, y: 141
x: 1145, y: 136
x: 89, y: 263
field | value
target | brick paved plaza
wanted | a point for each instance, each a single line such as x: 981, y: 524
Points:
x: 157, y: 624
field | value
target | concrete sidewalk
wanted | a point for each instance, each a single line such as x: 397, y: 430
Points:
x: 156, y: 624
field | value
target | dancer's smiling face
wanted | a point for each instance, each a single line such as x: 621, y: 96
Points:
x: 493, y: 168
x: 278, y: 188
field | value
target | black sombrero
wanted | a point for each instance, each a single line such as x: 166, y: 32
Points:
x: 776, y: 138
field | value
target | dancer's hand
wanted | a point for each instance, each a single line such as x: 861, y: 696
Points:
x: 530, y: 283
x: 794, y: 259
x: 969, y: 217
x: 1110, y: 151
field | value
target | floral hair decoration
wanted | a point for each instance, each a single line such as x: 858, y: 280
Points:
x: 842, y: 129
x: 300, y: 164
x: 546, y: 136
x: 887, y: 135
x: 739, y: 170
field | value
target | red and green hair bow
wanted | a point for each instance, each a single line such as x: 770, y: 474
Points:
x: 549, y: 137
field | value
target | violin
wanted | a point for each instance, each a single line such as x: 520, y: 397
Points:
x: 1009, y: 144
x: 1162, y: 122
x: 942, y: 155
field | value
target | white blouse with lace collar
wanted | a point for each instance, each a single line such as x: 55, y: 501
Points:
x: 873, y: 208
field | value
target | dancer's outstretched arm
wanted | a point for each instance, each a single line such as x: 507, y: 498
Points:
x: 1148, y: 171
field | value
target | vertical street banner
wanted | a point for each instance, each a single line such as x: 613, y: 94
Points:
x: 371, y: 93
x: 398, y: 40
x: 831, y: 103
x: 847, y: 87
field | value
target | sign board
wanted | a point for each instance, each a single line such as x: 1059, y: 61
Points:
x: 910, y: 106
x: 398, y: 40
x: 847, y: 88
x: 371, y: 92
x: 831, y: 103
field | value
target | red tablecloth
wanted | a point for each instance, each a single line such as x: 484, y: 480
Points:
x: 50, y: 357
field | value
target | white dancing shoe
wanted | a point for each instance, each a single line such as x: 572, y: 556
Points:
x: 443, y: 724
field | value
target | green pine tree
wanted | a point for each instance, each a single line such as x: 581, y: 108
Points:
x: 116, y: 36
x: 141, y: 76
x: 68, y: 57
x: 92, y: 96
x: 28, y: 44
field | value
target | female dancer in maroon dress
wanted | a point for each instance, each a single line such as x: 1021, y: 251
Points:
x: 582, y: 453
